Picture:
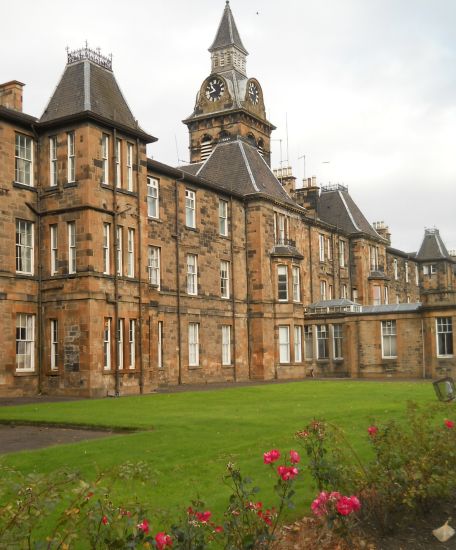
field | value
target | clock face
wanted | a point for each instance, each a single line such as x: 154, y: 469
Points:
x: 215, y: 89
x: 254, y: 94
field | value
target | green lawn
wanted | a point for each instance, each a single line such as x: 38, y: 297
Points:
x: 191, y: 436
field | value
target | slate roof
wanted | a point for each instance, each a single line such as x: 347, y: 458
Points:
x: 392, y: 308
x: 432, y: 247
x: 238, y: 167
x: 227, y: 33
x: 17, y: 116
x: 86, y: 87
x: 191, y: 168
x: 335, y: 206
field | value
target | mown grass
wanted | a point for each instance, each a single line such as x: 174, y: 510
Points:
x: 190, y: 437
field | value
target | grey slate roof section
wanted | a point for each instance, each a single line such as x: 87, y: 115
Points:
x: 191, y: 168
x: 336, y: 207
x: 432, y: 247
x: 227, y: 33
x: 88, y: 87
x: 340, y: 302
x: 238, y: 167
x: 392, y: 308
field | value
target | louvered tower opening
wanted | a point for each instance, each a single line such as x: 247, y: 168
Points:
x: 206, y: 147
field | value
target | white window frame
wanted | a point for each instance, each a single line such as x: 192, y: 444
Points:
x: 132, y: 343
x: 54, y: 344
x: 129, y: 167
x: 25, y: 247
x: 417, y: 275
x: 298, y: 343
x: 323, y: 291
x: 71, y: 230
x: 120, y: 344
x: 105, y: 159
x: 190, y: 208
x: 444, y: 326
x: 118, y: 163
x: 342, y: 262
x: 406, y: 272
x: 321, y: 242
x: 226, y: 345
x: 343, y: 291
x: 24, y: 160
x: 71, y: 159
x: 223, y: 217
x: 107, y: 344
x: 329, y: 248
x: 224, y: 279
x: 54, y: 243
x: 386, y: 293
x: 53, y: 161
x: 119, y: 251
x: 308, y: 342
x: 373, y: 258
x: 192, y: 274
x: 193, y: 344
x: 284, y: 344
x: 153, y: 265
x: 282, y: 283
x: 396, y: 275
x: 25, y: 342
x: 389, y: 338
x: 153, y: 201
x: 106, y: 248
x: 322, y: 342
x: 131, y: 253
x: 338, y: 338
x: 160, y: 345
x: 296, y: 277
x: 376, y: 295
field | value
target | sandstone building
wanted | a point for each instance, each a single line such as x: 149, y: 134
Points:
x: 119, y: 274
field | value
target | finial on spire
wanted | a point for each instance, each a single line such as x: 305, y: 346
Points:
x: 92, y: 55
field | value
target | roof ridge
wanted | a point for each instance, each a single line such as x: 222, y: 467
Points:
x: 348, y: 211
x: 247, y: 164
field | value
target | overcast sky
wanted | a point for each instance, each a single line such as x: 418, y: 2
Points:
x: 366, y: 85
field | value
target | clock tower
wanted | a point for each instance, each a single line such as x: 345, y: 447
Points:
x: 229, y: 104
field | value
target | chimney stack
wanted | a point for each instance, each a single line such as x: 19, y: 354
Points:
x: 286, y: 178
x: 11, y: 95
x: 308, y: 195
x: 383, y: 230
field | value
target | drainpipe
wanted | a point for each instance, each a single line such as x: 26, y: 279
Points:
x: 116, y: 281
x: 233, y: 300
x: 178, y: 289
x: 249, y: 347
x: 140, y: 301
x: 309, y: 231
x: 37, y: 212
x: 422, y: 347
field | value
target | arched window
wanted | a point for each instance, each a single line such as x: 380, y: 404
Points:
x: 224, y: 135
x: 206, y: 147
x: 252, y: 139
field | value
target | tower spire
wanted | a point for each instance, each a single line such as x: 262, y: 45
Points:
x: 227, y: 49
x: 227, y: 33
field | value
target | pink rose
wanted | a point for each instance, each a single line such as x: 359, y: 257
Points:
x: 104, y: 520
x: 163, y: 540
x: 287, y: 473
x: 271, y: 456
x: 203, y: 517
x: 144, y: 526
x: 372, y: 431
x: 344, y: 506
x: 294, y: 457
x: 449, y: 423
x: 356, y: 504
